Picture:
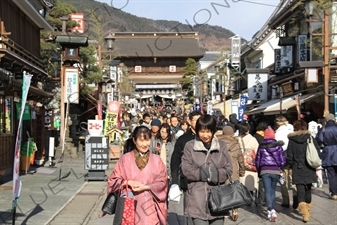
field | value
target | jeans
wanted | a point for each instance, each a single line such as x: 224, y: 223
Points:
x: 332, y: 178
x: 269, y: 183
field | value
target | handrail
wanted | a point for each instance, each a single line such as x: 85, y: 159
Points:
x: 20, y: 51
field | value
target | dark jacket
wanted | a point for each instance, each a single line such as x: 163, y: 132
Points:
x: 296, y: 152
x: 176, y: 157
x: 270, y: 153
x: 195, y: 157
x: 258, y: 137
x: 327, y: 136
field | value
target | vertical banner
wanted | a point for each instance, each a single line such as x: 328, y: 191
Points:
x: 99, y: 110
x: 258, y: 86
x: 302, y: 46
x: 111, y: 119
x: 235, y: 50
x: 71, y: 80
x: 243, y: 103
x: 16, y: 167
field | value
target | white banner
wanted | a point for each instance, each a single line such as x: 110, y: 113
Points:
x: 257, y: 86
x: 16, y: 168
x: 71, y: 80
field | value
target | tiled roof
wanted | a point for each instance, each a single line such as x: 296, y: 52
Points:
x: 157, y: 47
x: 211, y: 56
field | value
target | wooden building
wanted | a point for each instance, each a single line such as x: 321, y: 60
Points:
x: 20, y: 25
x: 155, y: 61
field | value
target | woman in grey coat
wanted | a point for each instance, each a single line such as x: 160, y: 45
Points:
x: 204, y: 164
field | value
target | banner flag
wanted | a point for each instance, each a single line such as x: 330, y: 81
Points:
x: 111, y: 119
x: 243, y: 103
x: 16, y: 169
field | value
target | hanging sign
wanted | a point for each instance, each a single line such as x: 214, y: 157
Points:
x: 111, y: 119
x: 258, y: 86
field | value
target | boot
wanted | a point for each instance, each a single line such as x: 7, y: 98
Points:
x: 309, y: 207
x: 295, y: 202
x: 303, y: 207
x: 235, y: 214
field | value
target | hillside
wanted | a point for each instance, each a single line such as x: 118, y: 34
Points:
x: 211, y: 38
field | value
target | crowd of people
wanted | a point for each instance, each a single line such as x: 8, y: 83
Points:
x: 197, y: 151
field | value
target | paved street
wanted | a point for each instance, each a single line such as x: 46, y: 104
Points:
x: 73, y: 201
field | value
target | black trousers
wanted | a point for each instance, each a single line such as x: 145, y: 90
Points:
x: 332, y: 178
x: 304, y: 192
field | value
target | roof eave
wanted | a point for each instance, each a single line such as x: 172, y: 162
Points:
x: 29, y: 10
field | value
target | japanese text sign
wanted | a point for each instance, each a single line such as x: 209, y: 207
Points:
x: 257, y: 86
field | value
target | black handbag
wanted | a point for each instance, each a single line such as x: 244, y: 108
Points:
x: 222, y: 198
x: 109, y: 205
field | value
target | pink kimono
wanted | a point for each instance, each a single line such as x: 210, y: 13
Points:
x: 151, y: 206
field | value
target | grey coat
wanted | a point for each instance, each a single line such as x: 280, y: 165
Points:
x: 197, y: 156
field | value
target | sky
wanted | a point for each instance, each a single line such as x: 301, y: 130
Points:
x: 242, y: 17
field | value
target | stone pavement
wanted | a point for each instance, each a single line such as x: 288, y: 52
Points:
x: 47, y: 200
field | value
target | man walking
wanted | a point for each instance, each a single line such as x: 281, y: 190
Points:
x: 328, y: 137
x: 177, y: 177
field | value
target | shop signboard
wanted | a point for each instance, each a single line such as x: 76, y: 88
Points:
x: 258, y: 86
x: 71, y: 92
x: 96, y: 153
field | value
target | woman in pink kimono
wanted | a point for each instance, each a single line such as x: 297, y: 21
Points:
x: 146, y: 175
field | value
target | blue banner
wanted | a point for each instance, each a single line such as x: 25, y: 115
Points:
x: 243, y: 103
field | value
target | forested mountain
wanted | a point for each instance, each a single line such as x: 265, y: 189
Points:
x: 211, y: 38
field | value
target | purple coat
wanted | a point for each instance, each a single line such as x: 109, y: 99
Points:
x: 270, y: 153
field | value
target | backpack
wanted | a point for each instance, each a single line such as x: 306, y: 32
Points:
x: 249, y: 156
x: 312, y: 155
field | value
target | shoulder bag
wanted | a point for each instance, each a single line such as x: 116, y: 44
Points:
x: 222, y: 198
x: 311, y: 154
x: 249, y: 156
x: 109, y: 205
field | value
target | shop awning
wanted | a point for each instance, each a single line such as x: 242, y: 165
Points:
x: 273, y: 107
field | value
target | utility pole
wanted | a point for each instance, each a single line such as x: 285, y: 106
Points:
x: 326, y: 61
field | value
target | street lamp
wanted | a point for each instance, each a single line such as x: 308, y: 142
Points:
x: 110, y: 40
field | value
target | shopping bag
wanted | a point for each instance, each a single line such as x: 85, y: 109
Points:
x: 125, y: 208
x: 174, y: 193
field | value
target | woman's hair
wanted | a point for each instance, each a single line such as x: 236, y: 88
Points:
x: 168, y: 130
x: 141, y: 131
x: 262, y: 126
x: 281, y: 120
x: 184, y: 122
x: 207, y: 122
x: 300, y: 125
x: 243, y: 128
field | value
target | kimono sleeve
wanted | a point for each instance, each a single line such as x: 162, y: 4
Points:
x: 159, y: 186
x: 117, y: 176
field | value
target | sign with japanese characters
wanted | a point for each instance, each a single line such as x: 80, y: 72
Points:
x: 138, y: 69
x: 96, y: 153
x: 71, y: 83
x: 302, y: 45
x: 257, y: 86
x: 235, y: 49
x: 242, y: 108
x: 173, y: 69
x: 111, y: 119
x: 277, y: 64
x: 95, y: 127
